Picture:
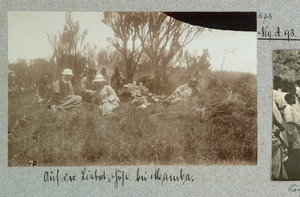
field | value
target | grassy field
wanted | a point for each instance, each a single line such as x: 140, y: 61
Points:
x: 224, y: 133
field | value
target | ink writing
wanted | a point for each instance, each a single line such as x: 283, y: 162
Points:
x: 118, y: 178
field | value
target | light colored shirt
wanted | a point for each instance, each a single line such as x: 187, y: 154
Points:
x: 184, y: 91
x: 278, y: 97
x: 277, y: 113
x: 278, y: 116
x: 107, y: 94
x: 291, y: 114
x: 298, y: 90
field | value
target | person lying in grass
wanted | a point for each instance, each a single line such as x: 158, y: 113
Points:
x: 182, y: 93
x: 105, y: 96
x: 87, y: 85
x: 63, y: 96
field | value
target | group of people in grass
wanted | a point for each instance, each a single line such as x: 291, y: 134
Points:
x: 95, y: 88
x: 99, y: 89
x: 286, y: 129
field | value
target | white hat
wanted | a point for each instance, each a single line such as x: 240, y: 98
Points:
x: 99, y: 78
x: 67, y: 72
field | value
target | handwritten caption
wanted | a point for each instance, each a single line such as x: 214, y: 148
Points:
x: 119, y: 178
x: 294, y: 188
x: 266, y: 32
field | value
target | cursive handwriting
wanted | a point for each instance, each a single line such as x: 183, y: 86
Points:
x: 118, y: 177
x: 294, y: 188
x: 266, y: 33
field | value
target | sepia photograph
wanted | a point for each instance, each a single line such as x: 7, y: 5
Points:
x: 286, y: 115
x: 142, y: 88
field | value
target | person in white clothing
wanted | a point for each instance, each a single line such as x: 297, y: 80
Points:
x: 105, y: 96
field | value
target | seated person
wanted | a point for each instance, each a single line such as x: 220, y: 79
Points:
x: 182, y: 93
x: 105, y: 96
x: 105, y: 76
x: 63, y: 96
x: 43, y: 92
x: 87, y: 85
x: 117, y: 80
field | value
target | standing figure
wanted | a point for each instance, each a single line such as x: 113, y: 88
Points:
x: 63, y: 96
x: 279, y: 145
x: 87, y: 85
x: 292, y: 118
x: 105, y: 96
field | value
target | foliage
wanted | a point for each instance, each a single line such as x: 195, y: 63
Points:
x: 108, y: 58
x: 69, y: 47
x: 154, y: 34
x: 125, y: 26
x: 19, y: 67
x: 163, y: 38
x: 39, y: 67
x: 286, y: 64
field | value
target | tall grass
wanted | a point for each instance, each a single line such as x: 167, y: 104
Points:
x: 218, y: 127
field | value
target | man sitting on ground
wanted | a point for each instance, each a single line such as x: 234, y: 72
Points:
x: 64, y: 93
x: 87, y: 85
x: 105, y: 96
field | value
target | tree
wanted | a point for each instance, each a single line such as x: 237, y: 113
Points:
x: 69, y: 47
x: 227, y: 51
x: 91, y: 57
x: 162, y: 38
x: 202, y: 63
x: 19, y: 67
x: 108, y: 57
x: 286, y: 64
x: 126, y: 26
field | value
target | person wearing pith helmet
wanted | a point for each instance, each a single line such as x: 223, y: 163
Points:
x: 64, y: 93
x: 105, y: 96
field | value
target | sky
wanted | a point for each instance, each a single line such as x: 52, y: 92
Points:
x: 27, y: 39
